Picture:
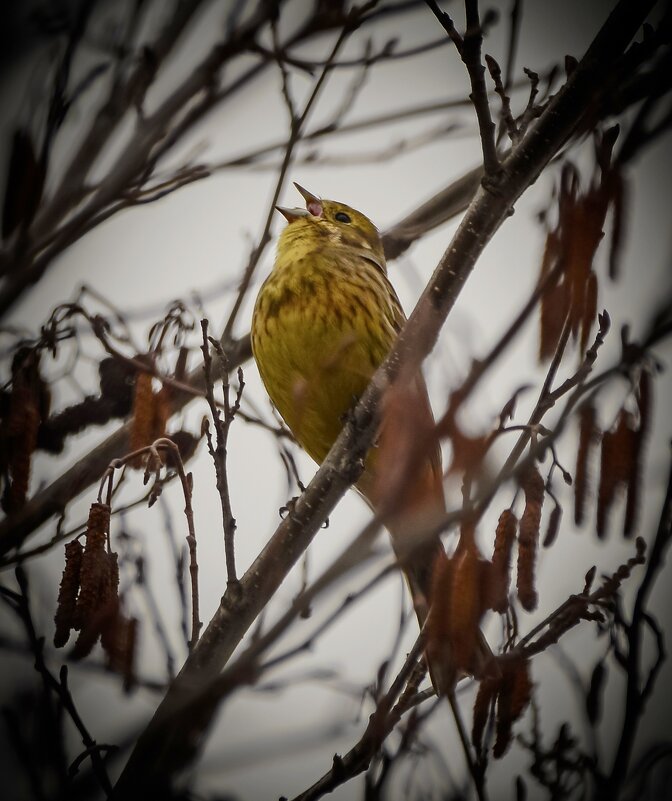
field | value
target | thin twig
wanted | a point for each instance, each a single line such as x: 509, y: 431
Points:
x: 178, y: 561
x: 153, y: 466
x: 296, y: 128
x: 469, y: 48
x: 381, y: 722
x: 387, y: 53
x: 57, y: 686
x: 476, y: 774
x: 371, y: 121
x: 186, y: 481
x: 219, y: 452
x: 514, y: 34
x: 506, y: 115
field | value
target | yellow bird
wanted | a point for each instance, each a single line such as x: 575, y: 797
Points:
x: 324, y: 321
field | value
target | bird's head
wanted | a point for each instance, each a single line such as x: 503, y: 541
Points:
x: 334, y: 222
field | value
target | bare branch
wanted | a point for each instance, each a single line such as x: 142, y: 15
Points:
x: 469, y: 48
x: 219, y: 453
x: 296, y: 127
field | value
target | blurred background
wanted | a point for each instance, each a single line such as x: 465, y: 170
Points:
x: 394, y: 133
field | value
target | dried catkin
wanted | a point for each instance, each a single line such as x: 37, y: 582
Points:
x: 127, y: 652
x: 500, y: 573
x: 589, y: 309
x: 553, y: 526
x: 110, y: 589
x: 438, y: 622
x: 644, y: 406
x: 94, y: 578
x: 466, y: 607
x: 514, y: 696
x: 142, y: 426
x: 554, y: 304
x: 594, y: 695
x: 619, y: 198
x: 28, y: 404
x: 23, y: 447
x: 588, y: 438
x: 151, y: 412
x: 528, y: 538
x: 617, y: 456
x: 65, y: 618
x: 162, y: 407
x: 487, y: 692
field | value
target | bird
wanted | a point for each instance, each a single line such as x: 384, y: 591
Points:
x: 324, y: 320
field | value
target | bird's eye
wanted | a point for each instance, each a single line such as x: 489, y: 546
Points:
x: 341, y: 216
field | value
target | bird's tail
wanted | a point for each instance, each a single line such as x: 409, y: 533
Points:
x: 455, y: 645
x: 403, y: 482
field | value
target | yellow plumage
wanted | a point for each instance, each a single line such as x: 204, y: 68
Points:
x: 324, y: 321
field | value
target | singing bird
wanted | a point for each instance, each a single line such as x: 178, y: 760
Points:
x: 324, y: 321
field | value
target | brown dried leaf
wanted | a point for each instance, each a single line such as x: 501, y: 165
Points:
x: 396, y: 444
x: 468, y: 452
x: 573, y: 244
x: 551, y: 254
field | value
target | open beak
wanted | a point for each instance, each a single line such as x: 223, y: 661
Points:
x: 292, y: 214
x: 313, y: 206
x: 313, y: 202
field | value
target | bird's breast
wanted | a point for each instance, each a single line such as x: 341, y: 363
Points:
x: 318, y: 335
